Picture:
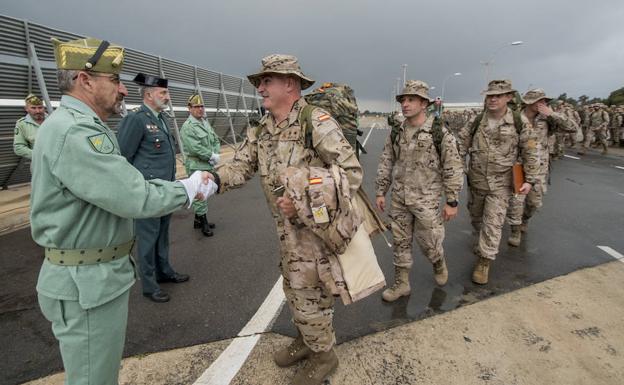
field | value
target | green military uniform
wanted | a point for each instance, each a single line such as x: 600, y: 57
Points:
x: 84, y: 196
x: 200, y: 144
x: 26, y: 131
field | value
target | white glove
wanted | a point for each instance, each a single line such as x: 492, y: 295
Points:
x: 192, y: 185
x: 208, y: 189
x: 214, y: 158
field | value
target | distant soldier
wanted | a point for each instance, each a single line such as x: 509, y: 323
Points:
x: 619, y: 119
x: 543, y: 122
x: 597, y: 125
x: 614, y: 126
x: 84, y: 196
x: 202, y: 147
x: 148, y: 144
x: 421, y: 163
x: 495, y: 140
x: 276, y: 145
x: 27, y: 126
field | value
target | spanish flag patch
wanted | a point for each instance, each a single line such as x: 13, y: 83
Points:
x: 324, y: 117
x: 315, y: 180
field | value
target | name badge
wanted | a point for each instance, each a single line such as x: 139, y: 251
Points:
x: 320, y: 214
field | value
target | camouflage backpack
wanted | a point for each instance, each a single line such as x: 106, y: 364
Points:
x: 339, y: 101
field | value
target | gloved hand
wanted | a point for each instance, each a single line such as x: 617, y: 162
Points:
x: 208, y: 189
x: 214, y: 158
x: 192, y: 185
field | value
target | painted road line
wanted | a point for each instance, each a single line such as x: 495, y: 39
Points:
x: 612, y: 253
x: 229, y: 362
x: 369, y: 134
x: 620, y: 167
x: 621, y: 194
x: 572, y: 157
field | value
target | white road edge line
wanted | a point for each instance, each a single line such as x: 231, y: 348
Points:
x: 612, y: 253
x: 620, y: 167
x: 572, y: 157
x: 369, y: 134
x: 621, y: 194
x: 229, y: 362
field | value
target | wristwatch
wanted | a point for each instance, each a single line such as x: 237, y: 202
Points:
x: 452, y: 203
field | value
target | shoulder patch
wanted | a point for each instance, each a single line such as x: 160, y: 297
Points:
x: 324, y: 117
x: 101, y: 143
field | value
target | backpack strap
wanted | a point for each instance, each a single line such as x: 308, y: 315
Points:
x: 517, y: 121
x: 437, y: 134
x: 305, y: 119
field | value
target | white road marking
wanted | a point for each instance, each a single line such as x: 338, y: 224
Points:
x: 621, y: 194
x: 612, y: 253
x: 229, y: 362
x: 572, y: 157
x: 620, y: 167
x: 369, y: 134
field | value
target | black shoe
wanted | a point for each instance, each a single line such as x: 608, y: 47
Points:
x: 158, y: 296
x: 205, y: 227
x: 211, y: 225
x: 197, y: 222
x: 176, y: 278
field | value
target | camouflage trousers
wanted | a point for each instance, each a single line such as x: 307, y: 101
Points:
x: 487, y: 212
x: 559, y: 145
x: 312, y: 313
x: 600, y: 134
x: 523, y: 207
x: 421, y: 221
x: 303, y: 260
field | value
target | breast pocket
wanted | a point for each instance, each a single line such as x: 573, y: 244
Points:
x: 425, y: 153
x: 157, y: 142
x: 508, y: 140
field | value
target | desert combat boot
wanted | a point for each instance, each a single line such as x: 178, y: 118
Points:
x: 401, y: 286
x: 318, y: 368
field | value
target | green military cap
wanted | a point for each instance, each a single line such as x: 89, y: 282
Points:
x: 88, y: 55
x: 33, y: 100
x: 195, y: 99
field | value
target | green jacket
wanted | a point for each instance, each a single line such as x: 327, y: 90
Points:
x: 85, y: 195
x: 25, y: 133
x: 200, y: 142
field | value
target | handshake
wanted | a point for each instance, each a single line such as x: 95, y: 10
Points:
x: 199, y: 186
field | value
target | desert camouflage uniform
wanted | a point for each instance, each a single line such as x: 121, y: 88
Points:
x: 493, y: 150
x: 270, y: 149
x: 522, y: 207
x: 420, y: 175
x: 597, y: 124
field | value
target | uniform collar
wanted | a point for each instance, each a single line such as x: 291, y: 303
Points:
x: 78, y: 105
x: 29, y: 119
x: 156, y: 114
x: 195, y: 120
x: 507, y: 118
x: 426, y: 126
x: 291, y: 118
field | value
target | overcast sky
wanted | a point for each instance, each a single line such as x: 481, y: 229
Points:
x: 569, y: 46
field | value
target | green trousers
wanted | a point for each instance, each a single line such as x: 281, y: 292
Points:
x: 91, y: 341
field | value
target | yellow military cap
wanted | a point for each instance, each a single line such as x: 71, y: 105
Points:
x: 89, y: 55
x: 195, y: 99
x: 33, y: 100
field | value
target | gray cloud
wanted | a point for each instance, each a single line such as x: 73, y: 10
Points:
x: 569, y: 46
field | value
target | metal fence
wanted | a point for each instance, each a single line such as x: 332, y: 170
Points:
x: 27, y: 65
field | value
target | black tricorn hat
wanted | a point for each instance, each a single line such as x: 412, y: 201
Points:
x: 150, y: 81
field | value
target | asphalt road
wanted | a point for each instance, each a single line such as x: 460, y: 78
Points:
x: 232, y: 272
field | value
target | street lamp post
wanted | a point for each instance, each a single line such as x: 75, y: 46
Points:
x: 444, y: 82
x: 404, y: 74
x: 490, y: 63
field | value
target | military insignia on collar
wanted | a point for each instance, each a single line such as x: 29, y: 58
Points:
x: 324, y: 117
x: 101, y: 143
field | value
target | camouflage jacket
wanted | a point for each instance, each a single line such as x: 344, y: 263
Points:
x: 418, y: 170
x: 270, y: 150
x: 542, y: 127
x: 598, y: 120
x: 494, y: 150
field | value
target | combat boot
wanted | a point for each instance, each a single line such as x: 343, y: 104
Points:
x: 481, y: 271
x: 515, y: 237
x: 319, y: 367
x: 401, y: 286
x: 440, y: 272
x: 605, y: 149
x: 293, y: 353
x: 204, y: 226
